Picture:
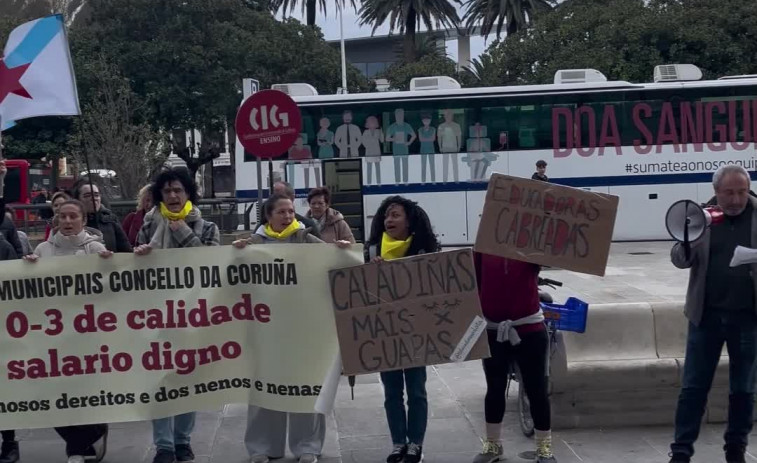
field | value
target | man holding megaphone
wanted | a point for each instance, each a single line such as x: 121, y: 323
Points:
x: 721, y: 308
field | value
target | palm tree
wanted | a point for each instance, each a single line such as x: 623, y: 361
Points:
x: 513, y: 15
x: 483, y: 71
x: 309, y: 7
x: 404, y: 15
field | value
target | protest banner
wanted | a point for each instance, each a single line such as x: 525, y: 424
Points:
x: 89, y: 340
x: 547, y: 224
x: 410, y: 312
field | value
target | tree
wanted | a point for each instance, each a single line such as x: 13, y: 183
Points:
x: 513, y: 15
x: 626, y: 39
x: 309, y: 7
x: 404, y: 15
x: 482, y: 72
x: 399, y: 75
x: 107, y: 134
x: 187, y: 59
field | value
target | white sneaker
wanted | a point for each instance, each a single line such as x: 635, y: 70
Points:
x: 259, y: 459
x: 308, y: 458
x: 76, y: 459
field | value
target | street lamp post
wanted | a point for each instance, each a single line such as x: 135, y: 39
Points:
x: 344, y: 57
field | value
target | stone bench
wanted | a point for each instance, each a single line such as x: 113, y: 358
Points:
x: 625, y: 370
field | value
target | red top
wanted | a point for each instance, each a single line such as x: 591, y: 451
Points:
x: 508, y: 290
x: 132, y: 224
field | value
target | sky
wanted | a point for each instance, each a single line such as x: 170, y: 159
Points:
x: 352, y: 28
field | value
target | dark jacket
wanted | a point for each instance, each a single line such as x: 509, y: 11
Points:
x: 8, y: 230
x: 113, y: 235
x: 698, y: 262
x: 6, y: 250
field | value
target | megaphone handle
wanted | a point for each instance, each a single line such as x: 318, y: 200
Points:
x: 686, y: 243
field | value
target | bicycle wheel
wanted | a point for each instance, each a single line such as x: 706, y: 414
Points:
x: 524, y: 410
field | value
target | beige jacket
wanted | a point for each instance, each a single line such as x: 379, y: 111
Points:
x: 334, y: 227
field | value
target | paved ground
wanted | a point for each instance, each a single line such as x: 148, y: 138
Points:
x: 358, y: 433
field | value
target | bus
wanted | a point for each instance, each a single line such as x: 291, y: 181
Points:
x: 17, y: 182
x: 649, y: 144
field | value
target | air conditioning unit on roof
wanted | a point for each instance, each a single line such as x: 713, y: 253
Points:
x: 677, y: 73
x: 296, y: 89
x: 578, y: 76
x: 434, y: 83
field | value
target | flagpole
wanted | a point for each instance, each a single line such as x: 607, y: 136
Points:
x: 1, y: 141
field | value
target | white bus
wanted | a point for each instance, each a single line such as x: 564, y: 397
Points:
x: 649, y: 144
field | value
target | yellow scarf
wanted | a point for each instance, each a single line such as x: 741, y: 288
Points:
x: 394, y: 249
x: 181, y: 215
x: 284, y: 234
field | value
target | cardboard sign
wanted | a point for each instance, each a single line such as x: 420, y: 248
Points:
x: 410, y: 312
x: 547, y: 224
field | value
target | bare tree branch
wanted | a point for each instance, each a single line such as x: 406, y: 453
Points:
x: 111, y: 139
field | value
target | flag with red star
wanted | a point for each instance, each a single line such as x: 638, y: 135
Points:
x: 36, y: 74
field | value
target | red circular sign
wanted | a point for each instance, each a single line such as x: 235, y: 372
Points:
x: 268, y: 123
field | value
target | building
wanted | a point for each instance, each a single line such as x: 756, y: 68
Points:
x: 373, y: 54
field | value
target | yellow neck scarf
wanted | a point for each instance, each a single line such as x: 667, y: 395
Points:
x: 181, y: 215
x: 284, y: 234
x: 394, y: 249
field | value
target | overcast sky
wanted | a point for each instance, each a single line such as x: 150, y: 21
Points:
x: 352, y: 28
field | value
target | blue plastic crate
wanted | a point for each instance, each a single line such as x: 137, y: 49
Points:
x: 568, y: 317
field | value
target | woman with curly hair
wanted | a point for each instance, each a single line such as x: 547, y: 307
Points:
x: 401, y: 228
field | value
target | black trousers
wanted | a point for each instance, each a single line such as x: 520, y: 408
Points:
x: 531, y: 355
x: 79, y: 439
x: 8, y: 436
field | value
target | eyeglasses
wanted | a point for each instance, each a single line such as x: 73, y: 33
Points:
x: 90, y: 195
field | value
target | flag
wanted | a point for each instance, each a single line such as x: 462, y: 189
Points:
x: 36, y: 74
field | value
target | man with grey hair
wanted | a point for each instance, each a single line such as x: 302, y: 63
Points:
x: 721, y: 309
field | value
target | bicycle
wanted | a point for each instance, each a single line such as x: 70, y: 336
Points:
x: 568, y: 317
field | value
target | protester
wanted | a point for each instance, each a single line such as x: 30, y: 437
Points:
x: 175, y: 222
x: 516, y: 332
x: 9, y: 451
x: 330, y: 222
x: 86, y: 442
x: 285, y: 189
x: 41, y: 199
x: 59, y: 197
x: 101, y: 218
x: 266, y: 433
x: 401, y: 228
x: 721, y: 309
x: 134, y: 220
x: 25, y: 246
x: 541, y: 171
x: 7, y: 228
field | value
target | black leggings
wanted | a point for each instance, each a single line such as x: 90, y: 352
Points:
x: 531, y: 355
x: 9, y: 436
x: 79, y: 439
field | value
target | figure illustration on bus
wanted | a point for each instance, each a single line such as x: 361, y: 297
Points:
x: 373, y: 137
x: 427, y: 137
x: 398, y: 134
x: 479, y: 156
x: 325, y: 139
x: 450, y: 141
x: 347, y: 137
x: 301, y: 154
